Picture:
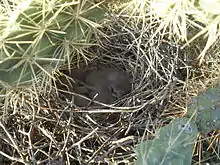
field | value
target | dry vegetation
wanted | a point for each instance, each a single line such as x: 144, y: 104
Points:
x: 39, y: 126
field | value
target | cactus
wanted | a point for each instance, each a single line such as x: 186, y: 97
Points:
x: 206, y: 110
x: 31, y: 39
x: 173, y: 144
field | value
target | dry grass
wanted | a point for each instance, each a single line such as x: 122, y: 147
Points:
x: 40, y: 127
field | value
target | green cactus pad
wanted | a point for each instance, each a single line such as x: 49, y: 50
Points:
x: 29, y: 41
x: 206, y: 110
x: 173, y: 144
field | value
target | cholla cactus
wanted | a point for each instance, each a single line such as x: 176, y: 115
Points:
x: 38, y: 35
x: 176, y: 16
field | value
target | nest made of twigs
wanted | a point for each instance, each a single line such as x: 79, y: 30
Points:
x: 50, y: 129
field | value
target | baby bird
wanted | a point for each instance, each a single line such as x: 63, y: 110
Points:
x: 105, y: 85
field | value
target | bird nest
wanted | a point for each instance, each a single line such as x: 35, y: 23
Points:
x: 54, y: 129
